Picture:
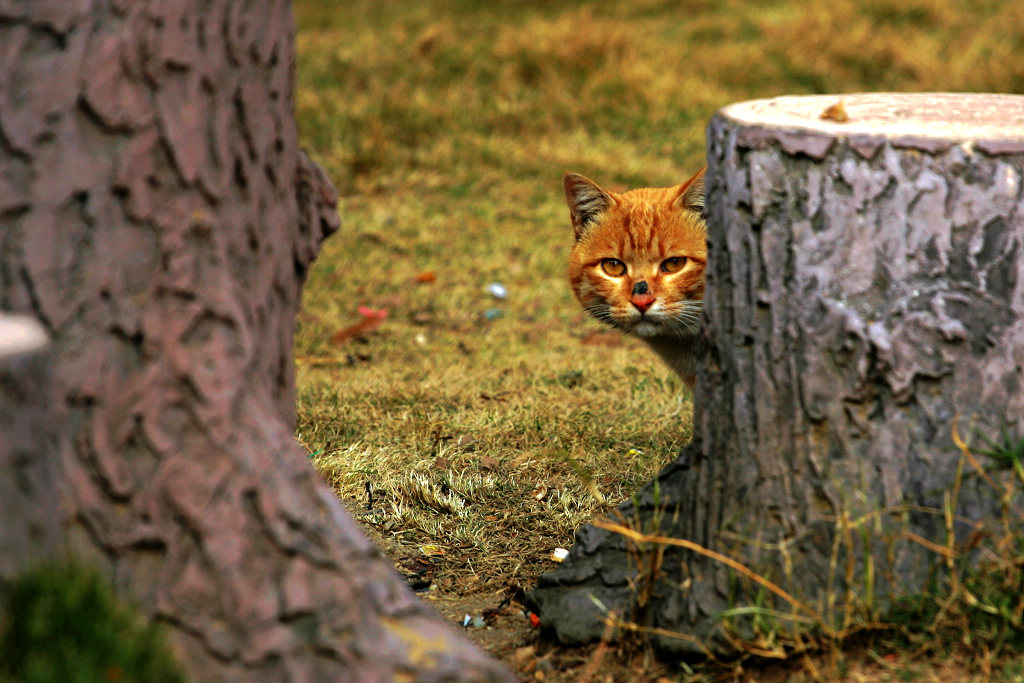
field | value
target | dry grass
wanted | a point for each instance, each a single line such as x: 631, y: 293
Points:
x: 484, y: 451
x: 489, y: 428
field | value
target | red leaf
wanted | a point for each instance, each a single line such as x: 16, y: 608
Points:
x: 372, y: 319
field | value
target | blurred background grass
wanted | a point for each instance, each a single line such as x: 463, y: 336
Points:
x: 495, y: 426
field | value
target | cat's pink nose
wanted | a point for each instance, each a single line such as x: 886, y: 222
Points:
x: 642, y: 301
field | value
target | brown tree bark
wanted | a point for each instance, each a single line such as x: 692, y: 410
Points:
x: 865, y: 289
x: 158, y: 217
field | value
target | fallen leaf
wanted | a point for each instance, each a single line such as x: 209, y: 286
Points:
x: 836, y: 112
x: 372, y: 319
x: 368, y: 312
x: 489, y: 463
x: 425, y: 276
x: 541, y: 492
x: 442, y: 464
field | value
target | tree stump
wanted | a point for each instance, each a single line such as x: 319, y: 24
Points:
x: 157, y: 217
x: 865, y: 297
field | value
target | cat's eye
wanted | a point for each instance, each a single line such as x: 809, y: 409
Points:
x: 613, y: 267
x: 673, y: 265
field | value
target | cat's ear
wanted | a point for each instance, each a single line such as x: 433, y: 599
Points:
x: 691, y: 194
x: 586, y: 201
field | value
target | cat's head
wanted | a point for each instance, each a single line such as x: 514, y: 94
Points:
x: 639, y: 256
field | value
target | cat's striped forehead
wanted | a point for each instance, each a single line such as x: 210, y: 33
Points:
x: 646, y: 223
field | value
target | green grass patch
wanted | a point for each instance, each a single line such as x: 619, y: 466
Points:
x: 62, y: 622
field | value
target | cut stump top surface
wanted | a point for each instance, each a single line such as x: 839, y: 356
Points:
x: 931, y: 122
x: 20, y: 334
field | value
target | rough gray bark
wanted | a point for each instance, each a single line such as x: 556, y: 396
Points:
x: 865, y: 288
x: 158, y: 217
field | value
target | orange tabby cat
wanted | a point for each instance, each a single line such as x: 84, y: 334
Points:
x: 638, y: 263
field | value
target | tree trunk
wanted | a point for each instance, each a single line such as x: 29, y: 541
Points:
x: 28, y: 450
x: 158, y: 217
x: 865, y: 297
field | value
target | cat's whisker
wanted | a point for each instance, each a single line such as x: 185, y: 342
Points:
x: 602, y: 313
